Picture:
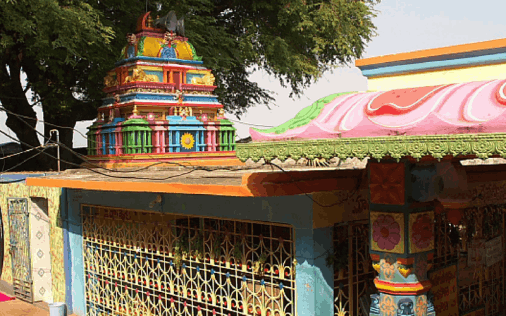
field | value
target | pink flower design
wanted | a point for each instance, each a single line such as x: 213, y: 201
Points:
x: 421, y: 231
x: 386, y: 232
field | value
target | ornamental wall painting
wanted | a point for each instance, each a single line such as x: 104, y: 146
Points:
x: 386, y: 183
x: 387, y: 232
x: 421, y: 232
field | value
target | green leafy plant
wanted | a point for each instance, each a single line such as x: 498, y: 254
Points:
x: 198, y: 245
x: 181, y: 250
x: 259, y: 264
x: 216, y: 249
x: 238, y: 251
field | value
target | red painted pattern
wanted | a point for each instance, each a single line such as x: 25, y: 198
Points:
x: 501, y: 93
x: 400, y: 101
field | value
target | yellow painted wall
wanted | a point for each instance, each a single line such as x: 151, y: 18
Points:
x: 433, y: 78
x: 20, y: 190
x: 350, y: 206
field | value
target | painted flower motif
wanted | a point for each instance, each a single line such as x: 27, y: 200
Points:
x: 421, y: 305
x: 386, y: 232
x: 388, y: 269
x: 421, y: 231
x: 387, y: 306
x: 187, y: 141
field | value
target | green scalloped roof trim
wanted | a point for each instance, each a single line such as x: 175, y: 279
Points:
x: 305, y: 115
x: 437, y: 146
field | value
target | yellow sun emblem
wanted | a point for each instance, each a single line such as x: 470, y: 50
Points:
x: 187, y: 141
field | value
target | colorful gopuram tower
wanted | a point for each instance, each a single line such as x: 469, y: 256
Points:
x: 159, y: 103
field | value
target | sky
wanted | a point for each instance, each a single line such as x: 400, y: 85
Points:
x: 402, y: 26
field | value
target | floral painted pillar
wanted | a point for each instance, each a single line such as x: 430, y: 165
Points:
x: 401, y: 236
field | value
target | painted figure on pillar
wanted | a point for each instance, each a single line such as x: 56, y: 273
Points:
x: 401, y: 238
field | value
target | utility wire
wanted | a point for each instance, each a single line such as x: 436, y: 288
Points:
x: 84, y: 158
x: 246, y: 123
x: 193, y: 169
x: 307, y: 194
x: 19, y: 153
x: 41, y: 121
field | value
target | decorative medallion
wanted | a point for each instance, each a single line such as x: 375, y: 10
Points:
x: 39, y: 234
x: 386, y: 183
x: 421, y: 234
x: 37, y: 216
x: 41, y: 272
x: 388, y: 269
x: 187, y: 141
x: 387, y: 306
x: 387, y: 233
x: 40, y: 253
x: 42, y: 291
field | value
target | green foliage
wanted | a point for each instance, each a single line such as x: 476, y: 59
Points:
x: 65, y: 48
x: 238, y: 251
x: 216, y: 248
x: 294, y: 40
x: 305, y: 115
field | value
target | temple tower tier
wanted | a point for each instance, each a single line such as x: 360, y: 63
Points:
x: 159, y: 104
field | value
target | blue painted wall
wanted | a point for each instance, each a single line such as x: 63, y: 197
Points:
x: 294, y: 210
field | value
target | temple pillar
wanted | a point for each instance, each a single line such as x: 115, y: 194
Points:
x: 402, y: 236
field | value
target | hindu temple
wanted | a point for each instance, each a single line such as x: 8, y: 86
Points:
x: 159, y: 103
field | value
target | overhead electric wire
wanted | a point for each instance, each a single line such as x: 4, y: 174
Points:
x: 84, y: 158
x: 42, y: 121
x: 246, y: 123
x: 193, y: 169
x: 19, y: 153
x: 307, y: 194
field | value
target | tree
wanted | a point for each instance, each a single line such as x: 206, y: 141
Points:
x: 65, y: 47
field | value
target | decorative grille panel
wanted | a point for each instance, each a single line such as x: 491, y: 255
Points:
x: 140, y: 263
x: 20, y: 248
x: 352, y: 279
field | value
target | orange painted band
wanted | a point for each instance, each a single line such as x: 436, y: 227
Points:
x: 251, y: 185
x: 402, y: 288
x: 449, y: 50
x: 128, y: 186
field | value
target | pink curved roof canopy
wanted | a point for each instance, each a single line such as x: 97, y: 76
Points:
x: 472, y: 107
x: 453, y: 120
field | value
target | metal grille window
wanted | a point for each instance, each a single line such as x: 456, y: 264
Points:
x: 140, y: 263
x: 354, y: 274
x: 481, y: 286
